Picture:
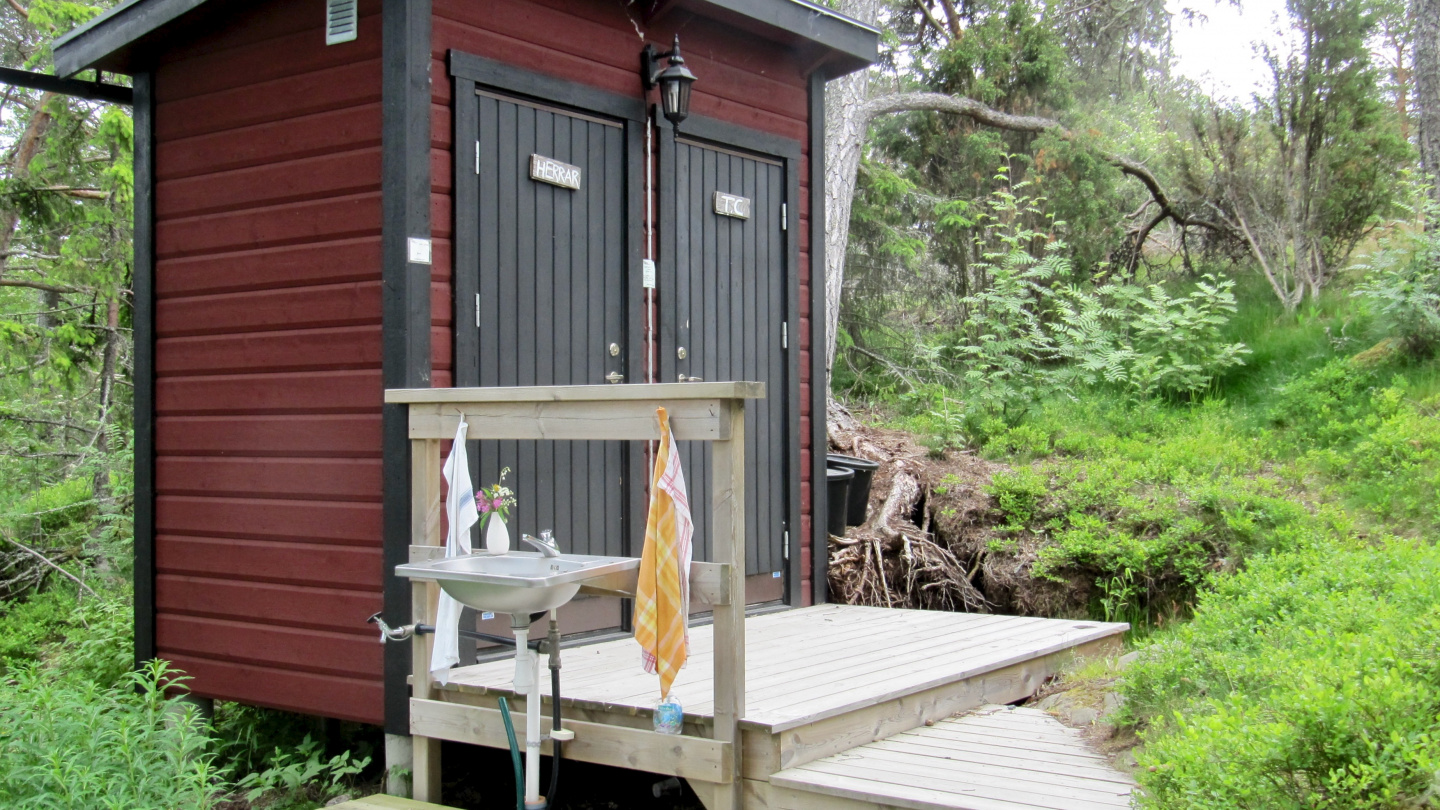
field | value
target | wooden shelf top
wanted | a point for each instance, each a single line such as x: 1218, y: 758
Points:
x: 659, y: 392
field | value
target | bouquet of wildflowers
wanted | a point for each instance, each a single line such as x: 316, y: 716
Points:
x: 495, y: 499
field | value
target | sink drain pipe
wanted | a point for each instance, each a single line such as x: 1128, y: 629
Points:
x: 558, y: 735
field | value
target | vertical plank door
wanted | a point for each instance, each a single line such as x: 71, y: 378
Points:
x: 723, y: 301
x: 551, y: 281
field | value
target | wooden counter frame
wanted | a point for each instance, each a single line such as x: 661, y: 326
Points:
x: 713, y: 412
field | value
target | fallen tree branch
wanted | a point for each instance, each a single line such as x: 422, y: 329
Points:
x: 53, y: 564
x: 989, y: 116
x: 38, y: 285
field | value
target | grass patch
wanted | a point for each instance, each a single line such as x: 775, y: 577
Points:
x: 1309, y: 680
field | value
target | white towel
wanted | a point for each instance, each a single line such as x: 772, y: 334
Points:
x: 460, y: 515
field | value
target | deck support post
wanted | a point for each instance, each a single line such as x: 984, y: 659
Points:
x: 399, y: 764
x: 728, y: 530
x: 425, y: 596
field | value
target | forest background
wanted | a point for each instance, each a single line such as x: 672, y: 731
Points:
x: 1193, y: 338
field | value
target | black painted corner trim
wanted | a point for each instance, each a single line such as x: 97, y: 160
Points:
x: 545, y: 89
x: 143, y: 322
x: 819, y: 377
x: 405, y: 305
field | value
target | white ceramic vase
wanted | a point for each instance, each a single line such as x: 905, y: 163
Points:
x: 497, y: 537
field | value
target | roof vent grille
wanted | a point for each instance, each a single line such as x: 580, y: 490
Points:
x: 342, y: 19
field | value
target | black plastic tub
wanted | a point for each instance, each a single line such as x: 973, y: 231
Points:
x: 837, y: 479
x: 864, y: 470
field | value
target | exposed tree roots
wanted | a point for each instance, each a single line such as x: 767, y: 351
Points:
x: 929, y: 536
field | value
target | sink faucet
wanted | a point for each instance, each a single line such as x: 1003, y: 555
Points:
x: 545, y: 543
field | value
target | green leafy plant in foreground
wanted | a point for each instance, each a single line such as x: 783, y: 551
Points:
x: 70, y: 742
x: 1310, y: 680
x: 301, y: 776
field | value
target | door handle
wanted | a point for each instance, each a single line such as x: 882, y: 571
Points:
x: 614, y: 377
x: 683, y: 378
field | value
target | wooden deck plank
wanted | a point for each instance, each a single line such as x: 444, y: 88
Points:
x: 1000, y: 746
x: 880, y: 776
x: 786, y: 681
x: 1040, y: 769
x: 942, y: 767
x: 1019, y: 759
x: 823, y: 638
x: 381, y: 801
x: 928, y: 663
x: 810, y: 663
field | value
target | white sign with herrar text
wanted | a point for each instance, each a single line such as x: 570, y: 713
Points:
x: 552, y: 171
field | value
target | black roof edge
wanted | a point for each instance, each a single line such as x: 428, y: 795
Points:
x: 853, y: 44
x: 112, y: 31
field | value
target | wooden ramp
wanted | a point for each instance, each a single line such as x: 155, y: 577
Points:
x: 819, y: 681
x: 997, y: 758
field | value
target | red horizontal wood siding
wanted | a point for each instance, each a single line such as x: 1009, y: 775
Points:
x: 743, y: 79
x: 267, y: 361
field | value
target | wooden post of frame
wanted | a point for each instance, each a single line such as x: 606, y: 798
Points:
x: 728, y: 538
x: 425, y: 527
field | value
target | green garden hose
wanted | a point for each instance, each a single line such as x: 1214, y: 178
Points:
x: 514, y: 755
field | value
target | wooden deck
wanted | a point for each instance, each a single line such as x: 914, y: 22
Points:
x: 763, y: 694
x: 819, y: 681
x: 810, y: 664
x: 996, y: 758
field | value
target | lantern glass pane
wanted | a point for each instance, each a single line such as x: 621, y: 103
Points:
x: 670, y: 97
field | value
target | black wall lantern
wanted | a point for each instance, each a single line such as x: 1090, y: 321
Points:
x: 674, y: 81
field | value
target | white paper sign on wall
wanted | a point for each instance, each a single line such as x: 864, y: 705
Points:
x: 417, y: 250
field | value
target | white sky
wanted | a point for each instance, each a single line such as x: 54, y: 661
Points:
x: 1219, y: 53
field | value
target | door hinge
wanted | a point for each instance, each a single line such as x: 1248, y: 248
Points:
x: 785, y: 550
x: 784, y: 217
x: 784, y: 334
x: 477, y: 157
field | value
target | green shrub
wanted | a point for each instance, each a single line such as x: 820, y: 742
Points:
x: 1145, y: 340
x: 73, y: 743
x: 1402, y: 281
x: 301, y: 777
x: 1365, y: 433
x: 1146, y: 500
x: 85, y: 638
x: 1310, y: 680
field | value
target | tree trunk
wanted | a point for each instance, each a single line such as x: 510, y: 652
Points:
x: 1425, y: 16
x: 25, y: 150
x: 846, y: 122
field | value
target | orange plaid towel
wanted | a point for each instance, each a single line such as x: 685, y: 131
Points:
x: 662, y: 598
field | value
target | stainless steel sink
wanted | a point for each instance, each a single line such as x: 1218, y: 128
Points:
x: 519, y: 581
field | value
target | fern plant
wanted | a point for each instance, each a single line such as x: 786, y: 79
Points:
x: 1402, y: 281
x: 1144, y: 339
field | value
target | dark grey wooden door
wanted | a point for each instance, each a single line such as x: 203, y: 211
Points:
x: 551, y: 305
x: 723, y: 317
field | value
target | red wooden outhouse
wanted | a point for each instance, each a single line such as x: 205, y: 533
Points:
x: 335, y: 197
